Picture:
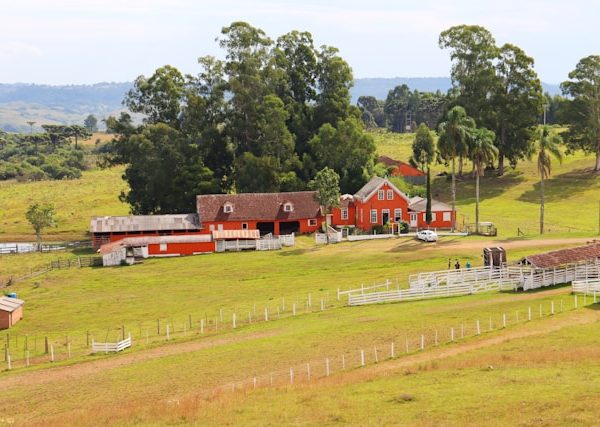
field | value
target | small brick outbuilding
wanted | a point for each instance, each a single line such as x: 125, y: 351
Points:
x: 11, y: 311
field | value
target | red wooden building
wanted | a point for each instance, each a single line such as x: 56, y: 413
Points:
x: 405, y: 170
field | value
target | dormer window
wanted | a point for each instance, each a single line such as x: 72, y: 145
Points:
x: 381, y: 195
x: 288, y: 207
x: 227, y: 207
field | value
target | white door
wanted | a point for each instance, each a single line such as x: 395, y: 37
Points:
x: 413, y: 219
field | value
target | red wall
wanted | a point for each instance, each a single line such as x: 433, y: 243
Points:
x: 252, y: 225
x: 438, y: 223
x: 336, y: 215
x: 363, y: 210
x: 407, y: 170
x: 181, y: 248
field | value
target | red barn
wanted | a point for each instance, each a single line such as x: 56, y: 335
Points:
x: 276, y: 213
x: 405, y: 170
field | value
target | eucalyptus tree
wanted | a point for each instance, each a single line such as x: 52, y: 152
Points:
x: 582, y: 112
x: 453, y: 139
x: 482, y: 152
x: 547, y: 147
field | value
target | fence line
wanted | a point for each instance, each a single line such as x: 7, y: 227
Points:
x: 79, y: 262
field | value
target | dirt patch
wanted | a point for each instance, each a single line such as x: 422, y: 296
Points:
x: 87, y: 368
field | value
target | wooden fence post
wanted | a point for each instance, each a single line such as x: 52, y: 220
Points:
x: 529, y: 313
x: 254, y: 381
x: 221, y: 314
x: 87, y: 339
x: 343, y: 362
x: 422, y: 342
x: 293, y: 309
x: 46, y: 346
x: 478, y: 328
x: 266, y: 314
x: 451, y: 334
x: 392, y: 353
x: 436, y: 337
x: 552, y: 307
x: 462, y: 330
x: 338, y: 294
x: 406, y: 344
x: 504, y: 320
x: 322, y: 305
x: 51, y: 353
x: 202, y: 326
x: 8, y: 361
x: 168, y: 332
x: 233, y: 321
x: 69, y: 350
x: 362, y: 358
x: 190, y: 321
x: 291, y: 375
x: 327, y: 366
x: 309, y: 300
x: 376, y: 356
x: 157, y: 326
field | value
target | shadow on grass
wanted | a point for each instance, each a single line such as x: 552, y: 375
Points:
x: 490, y: 186
x: 538, y: 290
x: 562, y: 186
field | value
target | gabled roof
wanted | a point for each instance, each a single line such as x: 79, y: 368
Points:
x: 130, y: 242
x: 258, y: 206
x: 10, y: 304
x: 403, y: 168
x: 371, y: 187
x: 564, y: 257
x: 107, y: 224
x: 419, y: 204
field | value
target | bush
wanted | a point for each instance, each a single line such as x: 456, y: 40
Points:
x: 404, y: 227
x: 377, y: 229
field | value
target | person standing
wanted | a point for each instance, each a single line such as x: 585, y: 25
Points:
x: 457, y: 264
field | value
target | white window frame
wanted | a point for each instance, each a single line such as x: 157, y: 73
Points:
x: 162, y: 247
x: 227, y: 208
x: 447, y: 216
x: 288, y: 207
x: 312, y: 222
x: 220, y: 227
x: 397, y: 214
x: 211, y: 227
x: 432, y: 216
x: 244, y: 225
x: 344, y: 213
x: 390, y: 194
x: 381, y: 195
x: 373, y: 216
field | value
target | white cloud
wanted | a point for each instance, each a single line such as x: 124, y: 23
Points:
x: 13, y: 50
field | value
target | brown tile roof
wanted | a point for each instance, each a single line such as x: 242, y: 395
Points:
x: 105, y: 224
x: 258, y: 206
x: 564, y: 256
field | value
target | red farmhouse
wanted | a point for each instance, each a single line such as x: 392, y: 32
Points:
x: 408, y: 172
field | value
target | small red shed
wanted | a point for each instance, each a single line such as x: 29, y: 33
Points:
x: 11, y: 311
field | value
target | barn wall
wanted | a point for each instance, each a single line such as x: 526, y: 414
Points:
x: 4, y: 320
x: 252, y: 225
x: 181, y: 248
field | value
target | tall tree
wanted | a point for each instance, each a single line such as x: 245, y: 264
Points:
x: 77, y: 132
x: 91, y: 123
x: 57, y: 134
x: 327, y: 185
x: 452, y: 143
x: 31, y: 123
x: 40, y: 216
x: 518, y: 104
x: 423, y: 151
x: 547, y: 147
x: 582, y: 112
x: 482, y: 152
x: 473, y: 51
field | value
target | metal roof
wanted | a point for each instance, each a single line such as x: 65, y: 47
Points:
x: 564, y: 256
x: 107, y: 224
x: 374, y: 184
x: 10, y: 304
x: 419, y: 204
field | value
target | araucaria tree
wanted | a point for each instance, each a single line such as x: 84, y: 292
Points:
x: 582, y: 112
x: 265, y: 118
x: 423, y: 151
x: 454, y: 134
x: 482, y: 152
x: 40, y: 216
x: 547, y: 147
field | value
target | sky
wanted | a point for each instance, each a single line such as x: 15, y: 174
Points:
x: 89, y: 41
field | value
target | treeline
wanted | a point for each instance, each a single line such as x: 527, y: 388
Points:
x: 41, y: 156
x: 266, y: 118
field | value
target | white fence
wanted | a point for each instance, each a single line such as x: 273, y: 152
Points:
x: 267, y: 243
x: 369, y: 237
x: 110, y: 347
x: 588, y: 287
x: 549, y: 277
x: 334, y: 237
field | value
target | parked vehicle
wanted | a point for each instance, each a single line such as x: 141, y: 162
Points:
x: 427, y: 235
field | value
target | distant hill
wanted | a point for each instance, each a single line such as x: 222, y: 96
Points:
x: 45, y: 104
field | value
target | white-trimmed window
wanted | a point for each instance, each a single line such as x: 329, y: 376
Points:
x: 312, y: 222
x: 447, y: 216
x: 397, y: 215
x: 433, y: 216
x: 163, y: 247
x: 344, y: 213
x: 373, y: 216
x: 220, y: 227
x: 381, y: 195
x: 288, y: 207
x: 227, y: 207
x: 244, y: 225
x: 211, y: 227
x: 390, y: 194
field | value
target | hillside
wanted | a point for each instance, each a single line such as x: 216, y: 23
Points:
x: 45, y: 104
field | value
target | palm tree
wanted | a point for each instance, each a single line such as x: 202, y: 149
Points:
x: 547, y: 147
x: 454, y: 134
x: 482, y: 152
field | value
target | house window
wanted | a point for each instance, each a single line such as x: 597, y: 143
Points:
x: 433, y: 216
x: 244, y: 225
x: 424, y: 216
x: 211, y: 227
x: 220, y: 227
x: 227, y: 208
x: 380, y: 195
x: 288, y: 207
x: 447, y: 216
x: 312, y: 222
x: 163, y: 247
x: 344, y: 213
x: 390, y: 194
x: 397, y: 215
x: 373, y: 216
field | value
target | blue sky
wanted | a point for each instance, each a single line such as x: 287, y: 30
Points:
x: 87, y: 41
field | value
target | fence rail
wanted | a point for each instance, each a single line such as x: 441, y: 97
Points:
x: 111, y: 347
x: 86, y: 261
x: 588, y: 287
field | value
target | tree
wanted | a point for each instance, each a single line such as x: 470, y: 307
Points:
x: 482, y: 152
x: 327, y: 185
x: 91, y: 123
x: 518, y: 104
x: 453, y: 137
x: 57, y: 134
x: 547, y: 146
x: 40, y: 216
x: 423, y: 151
x: 582, y: 112
x: 77, y: 132
x: 31, y: 123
